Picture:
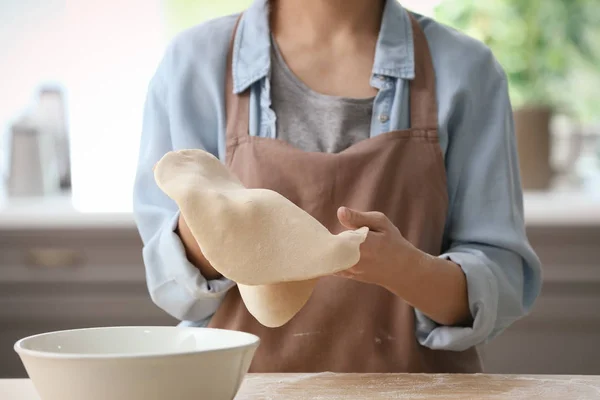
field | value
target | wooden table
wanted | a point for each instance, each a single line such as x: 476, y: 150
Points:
x: 329, y: 386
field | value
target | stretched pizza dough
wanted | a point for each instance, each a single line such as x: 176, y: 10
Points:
x: 274, y: 305
x: 255, y: 237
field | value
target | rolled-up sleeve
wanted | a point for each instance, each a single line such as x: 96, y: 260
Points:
x: 175, y: 285
x: 485, y: 232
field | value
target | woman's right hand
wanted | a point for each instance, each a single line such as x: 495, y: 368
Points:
x: 193, y: 252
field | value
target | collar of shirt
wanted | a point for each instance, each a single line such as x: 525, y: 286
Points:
x: 252, y: 46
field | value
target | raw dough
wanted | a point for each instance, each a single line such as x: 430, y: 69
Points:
x: 274, y: 305
x: 254, y: 236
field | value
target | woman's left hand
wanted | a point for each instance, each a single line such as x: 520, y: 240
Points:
x: 383, y: 253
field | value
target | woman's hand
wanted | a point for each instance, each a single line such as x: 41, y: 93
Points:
x: 384, y: 251
x: 435, y: 286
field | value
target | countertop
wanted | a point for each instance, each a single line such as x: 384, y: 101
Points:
x: 541, y: 209
x: 329, y: 386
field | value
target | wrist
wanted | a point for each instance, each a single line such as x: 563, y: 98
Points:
x: 408, y: 269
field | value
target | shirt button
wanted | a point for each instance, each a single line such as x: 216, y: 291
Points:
x: 383, y: 118
x: 381, y: 77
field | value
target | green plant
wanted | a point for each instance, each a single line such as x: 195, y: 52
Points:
x: 181, y: 14
x: 542, y: 44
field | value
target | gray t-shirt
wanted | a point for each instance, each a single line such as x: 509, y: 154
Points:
x: 312, y: 121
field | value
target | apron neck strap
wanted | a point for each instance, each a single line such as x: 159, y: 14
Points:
x: 237, y: 106
x: 423, y: 102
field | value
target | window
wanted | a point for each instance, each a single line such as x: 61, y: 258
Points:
x: 103, y: 53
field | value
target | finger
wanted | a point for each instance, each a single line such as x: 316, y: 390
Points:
x: 353, y: 219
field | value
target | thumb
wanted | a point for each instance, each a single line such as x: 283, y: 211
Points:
x: 353, y: 219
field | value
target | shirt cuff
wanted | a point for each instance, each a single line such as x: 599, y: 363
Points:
x: 482, y: 290
x: 175, y: 284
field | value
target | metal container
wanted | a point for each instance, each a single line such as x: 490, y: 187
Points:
x: 33, y: 168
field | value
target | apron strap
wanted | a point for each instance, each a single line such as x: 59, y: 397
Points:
x: 423, y: 102
x: 237, y: 106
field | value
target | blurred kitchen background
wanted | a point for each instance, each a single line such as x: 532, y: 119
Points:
x: 73, y: 78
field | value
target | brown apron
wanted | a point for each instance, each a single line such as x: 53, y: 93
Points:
x: 348, y: 326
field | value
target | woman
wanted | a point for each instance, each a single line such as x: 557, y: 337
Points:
x: 363, y: 114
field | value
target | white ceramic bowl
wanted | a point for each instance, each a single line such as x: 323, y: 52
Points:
x: 138, y: 363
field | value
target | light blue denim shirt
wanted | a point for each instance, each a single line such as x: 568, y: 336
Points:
x: 485, y: 231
